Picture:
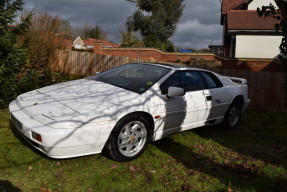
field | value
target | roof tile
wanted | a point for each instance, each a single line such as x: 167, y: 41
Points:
x: 232, y: 5
x: 92, y: 41
x: 249, y: 20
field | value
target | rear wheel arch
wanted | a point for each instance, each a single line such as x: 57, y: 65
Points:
x: 239, y: 99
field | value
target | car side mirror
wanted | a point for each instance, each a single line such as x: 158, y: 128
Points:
x: 175, y: 91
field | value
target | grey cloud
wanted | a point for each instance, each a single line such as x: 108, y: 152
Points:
x: 205, y: 11
x: 193, y: 34
x: 198, y: 25
x: 109, y: 14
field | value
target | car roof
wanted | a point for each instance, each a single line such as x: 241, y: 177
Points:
x: 169, y: 65
x: 174, y: 66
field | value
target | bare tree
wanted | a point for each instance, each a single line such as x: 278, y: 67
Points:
x: 47, y: 33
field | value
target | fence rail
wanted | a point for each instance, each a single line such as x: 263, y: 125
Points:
x: 84, y: 63
x: 266, y: 89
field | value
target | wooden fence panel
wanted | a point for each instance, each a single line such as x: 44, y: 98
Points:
x: 266, y: 89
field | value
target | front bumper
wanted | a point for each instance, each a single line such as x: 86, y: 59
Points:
x: 60, y: 143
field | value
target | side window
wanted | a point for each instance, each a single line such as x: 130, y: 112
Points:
x: 172, y: 81
x: 191, y: 81
x: 211, y: 81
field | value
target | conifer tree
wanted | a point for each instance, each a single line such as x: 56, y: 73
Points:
x: 12, y: 55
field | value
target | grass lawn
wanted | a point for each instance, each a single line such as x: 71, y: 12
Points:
x: 250, y: 158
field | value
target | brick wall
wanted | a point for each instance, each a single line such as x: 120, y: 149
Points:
x: 156, y: 55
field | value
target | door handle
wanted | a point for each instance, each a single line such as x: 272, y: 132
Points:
x: 208, y: 98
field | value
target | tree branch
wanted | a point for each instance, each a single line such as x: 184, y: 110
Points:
x: 282, y: 5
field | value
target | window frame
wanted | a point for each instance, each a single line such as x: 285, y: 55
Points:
x: 216, y: 80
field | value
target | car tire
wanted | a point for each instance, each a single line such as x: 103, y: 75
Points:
x: 233, y: 115
x: 129, y: 138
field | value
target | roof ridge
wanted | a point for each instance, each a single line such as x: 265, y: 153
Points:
x: 242, y: 11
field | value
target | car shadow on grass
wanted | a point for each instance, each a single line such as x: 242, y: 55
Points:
x: 236, y: 175
x: 261, y: 135
x: 253, y: 156
x: 7, y: 186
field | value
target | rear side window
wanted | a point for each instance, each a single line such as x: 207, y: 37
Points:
x: 211, y: 80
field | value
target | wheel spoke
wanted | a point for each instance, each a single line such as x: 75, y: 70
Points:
x: 129, y: 148
x: 124, y: 142
x: 123, y: 146
x: 124, y: 136
x: 138, y: 135
x: 127, y: 131
x: 136, y: 144
x: 134, y: 128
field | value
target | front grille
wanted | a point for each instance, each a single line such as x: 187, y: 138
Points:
x: 16, y: 122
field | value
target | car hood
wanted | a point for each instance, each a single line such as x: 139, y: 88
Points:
x: 60, y: 101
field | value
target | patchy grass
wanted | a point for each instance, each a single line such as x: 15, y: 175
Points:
x: 250, y: 158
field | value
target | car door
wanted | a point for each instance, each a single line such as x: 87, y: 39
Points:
x: 219, y: 96
x: 184, y: 112
x: 174, y: 109
x: 194, y: 86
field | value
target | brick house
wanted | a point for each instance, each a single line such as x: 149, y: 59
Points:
x: 245, y: 34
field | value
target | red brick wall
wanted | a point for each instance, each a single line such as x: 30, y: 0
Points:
x: 154, y: 54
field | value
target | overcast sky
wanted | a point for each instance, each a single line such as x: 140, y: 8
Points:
x: 198, y: 26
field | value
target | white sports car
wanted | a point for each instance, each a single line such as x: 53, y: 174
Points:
x: 121, y: 110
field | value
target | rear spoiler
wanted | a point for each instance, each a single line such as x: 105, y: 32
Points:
x: 237, y: 80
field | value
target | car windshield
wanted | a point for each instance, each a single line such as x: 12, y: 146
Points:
x: 133, y: 77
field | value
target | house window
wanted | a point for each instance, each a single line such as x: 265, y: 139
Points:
x: 90, y: 46
x: 78, y: 46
